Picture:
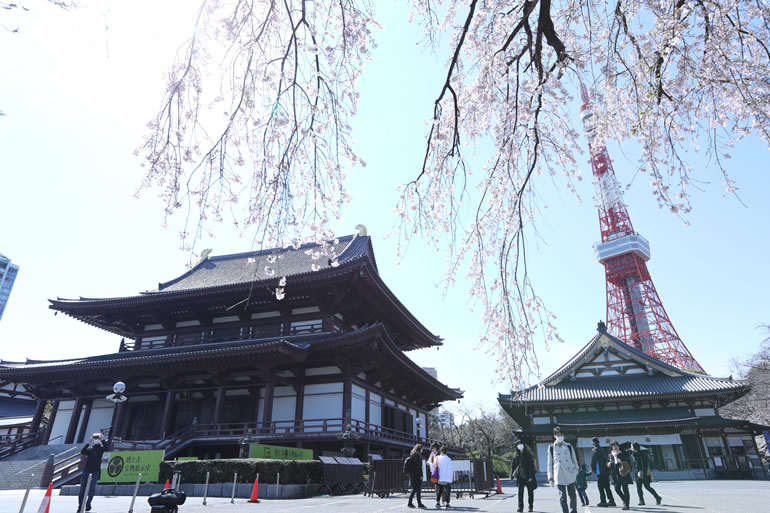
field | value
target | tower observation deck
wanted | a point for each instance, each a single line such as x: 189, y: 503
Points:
x: 635, y: 313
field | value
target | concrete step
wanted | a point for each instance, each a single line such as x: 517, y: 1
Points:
x: 16, y: 471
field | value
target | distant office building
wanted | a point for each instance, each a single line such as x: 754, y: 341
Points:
x: 8, y: 272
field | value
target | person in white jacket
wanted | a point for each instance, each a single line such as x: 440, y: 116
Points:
x: 445, y: 477
x: 563, y: 470
x: 434, y: 454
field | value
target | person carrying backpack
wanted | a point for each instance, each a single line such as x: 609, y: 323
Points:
x: 413, y: 468
x: 563, y: 470
x: 644, y: 473
x: 620, y: 467
x: 523, y: 471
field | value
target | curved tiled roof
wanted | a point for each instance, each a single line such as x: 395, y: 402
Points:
x: 620, y: 387
x: 269, y: 264
x: 663, y: 380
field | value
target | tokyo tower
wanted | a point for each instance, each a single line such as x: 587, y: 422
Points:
x: 635, y: 313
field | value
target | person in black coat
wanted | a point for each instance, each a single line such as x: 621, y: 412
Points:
x: 644, y: 473
x: 620, y: 469
x: 523, y: 471
x: 599, y: 459
x: 413, y: 467
x: 93, y: 468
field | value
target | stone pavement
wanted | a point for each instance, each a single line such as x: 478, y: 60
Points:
x: 678, y: 497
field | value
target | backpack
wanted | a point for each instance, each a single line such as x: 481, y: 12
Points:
x: 572, y: 471
x: 409, y: 465
x: 623, y: 468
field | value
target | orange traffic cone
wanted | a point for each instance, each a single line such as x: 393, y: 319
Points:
x: 255, y: 491
x: 499, y: 488
x: 45, y: 506
x: 166, y: 487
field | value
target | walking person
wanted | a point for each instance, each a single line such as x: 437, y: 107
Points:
x: 93, y: 452
x: 581, y: 485
x: 413, y: 467
x: 563, y: 470
x: 445, y: 475
x: 599, y: 459
x: 620, y: 468
x: 644, y: 473
x: 434, y: 454
x: 523, y: 471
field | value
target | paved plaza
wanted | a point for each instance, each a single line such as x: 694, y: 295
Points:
x: 678, y: 497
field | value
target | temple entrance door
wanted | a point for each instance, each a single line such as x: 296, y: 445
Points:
x: 193, y: 411
x: 143, y: 419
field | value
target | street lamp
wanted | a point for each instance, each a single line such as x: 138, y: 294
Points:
x: 116, y: 398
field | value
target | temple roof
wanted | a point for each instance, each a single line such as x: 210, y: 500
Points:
x: 608, y: 369
x: 370, y: 343
x: 217, y: 283
x: 266, y: 265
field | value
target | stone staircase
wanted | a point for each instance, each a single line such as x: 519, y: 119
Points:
x: 15, y: 470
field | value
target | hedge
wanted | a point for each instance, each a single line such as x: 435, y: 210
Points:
x: 222, y: 471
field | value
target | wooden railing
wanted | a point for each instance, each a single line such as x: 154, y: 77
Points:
x: 68, y: 469
x: 11, y: 444
x: 208, y: 335
x: 301, y: 429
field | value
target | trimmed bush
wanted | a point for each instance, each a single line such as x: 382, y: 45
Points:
x: 222, y: 471
x: 502, y: 465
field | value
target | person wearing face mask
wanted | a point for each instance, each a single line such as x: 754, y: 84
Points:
x: 563, y: 470
x: 523, y: 471
x: 644, y: 474
x: 620, y: 467
x: 599, y: 458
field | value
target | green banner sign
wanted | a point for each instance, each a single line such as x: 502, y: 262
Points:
x: 187, y: 458
x: 125, y: 466
x: 274, y: 452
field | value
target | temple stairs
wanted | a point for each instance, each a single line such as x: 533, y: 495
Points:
x: 17, y: 469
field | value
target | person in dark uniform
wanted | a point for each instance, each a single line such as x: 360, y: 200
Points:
x: 414, y: 467
x: 620, y: 469
x: 93, y: 453
x: 644, y: 473
x: 599, y: 459
x: 523, y: 471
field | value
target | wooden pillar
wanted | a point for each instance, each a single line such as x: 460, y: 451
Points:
x: 84, y: 424
x: 219, y: 405
x: 366, y: 411
x: 267, y: 410
x: 73, y: 425
x: 298, y: 407
x: 347, y: 399
x: 165, y: 423
x: 39, y: 410
x: 51, y: 419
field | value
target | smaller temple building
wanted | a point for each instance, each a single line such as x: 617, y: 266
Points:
x: 285, y: 346
x: 613, y: 391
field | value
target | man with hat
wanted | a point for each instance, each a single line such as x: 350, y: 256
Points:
x: 599, y: 460
x: 563, y: 470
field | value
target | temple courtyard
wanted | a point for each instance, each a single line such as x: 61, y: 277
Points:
x: 678, y: 497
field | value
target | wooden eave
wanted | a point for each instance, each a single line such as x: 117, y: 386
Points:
x: 371, y: 343
x: 114, y: 314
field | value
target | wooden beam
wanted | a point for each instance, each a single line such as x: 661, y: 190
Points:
x: 73, y: 425
x: 84, y: 423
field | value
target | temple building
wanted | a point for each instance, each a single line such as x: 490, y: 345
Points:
x: 613, y: 391
x: 291, y: 345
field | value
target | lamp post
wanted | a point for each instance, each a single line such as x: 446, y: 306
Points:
x: 117, y: 397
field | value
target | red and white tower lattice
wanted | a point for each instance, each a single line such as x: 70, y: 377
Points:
x: 635, y: 313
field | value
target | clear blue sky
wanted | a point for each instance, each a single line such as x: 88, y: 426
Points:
x: 78, y: 88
